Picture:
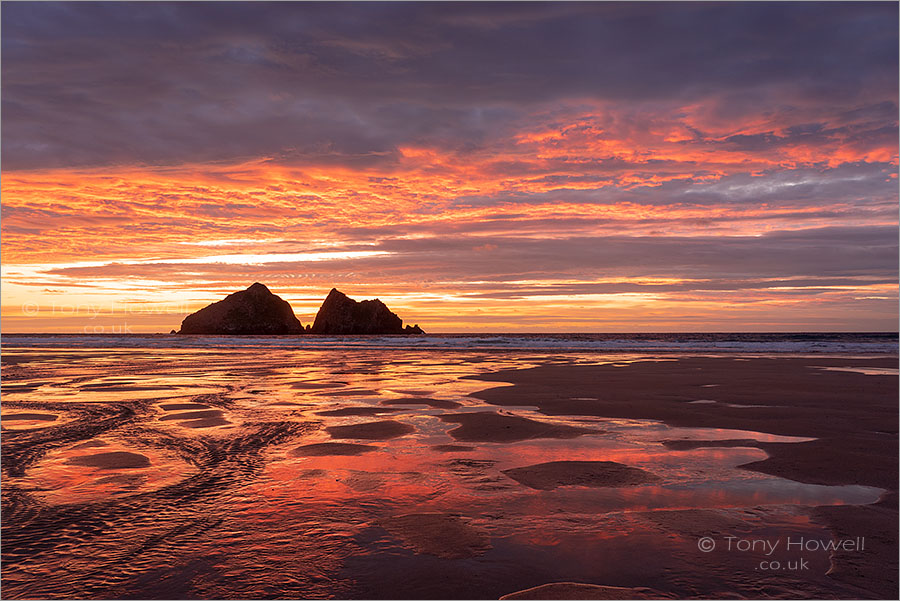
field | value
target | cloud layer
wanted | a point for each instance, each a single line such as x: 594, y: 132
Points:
x: 671, y: 165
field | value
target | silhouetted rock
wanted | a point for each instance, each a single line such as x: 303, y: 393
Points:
x: 254, y: 311
x: 341, y: 315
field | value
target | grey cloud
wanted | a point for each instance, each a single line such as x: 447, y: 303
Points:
x: 158, y: 83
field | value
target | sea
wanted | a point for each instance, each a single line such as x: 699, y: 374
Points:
x: 732, y: 342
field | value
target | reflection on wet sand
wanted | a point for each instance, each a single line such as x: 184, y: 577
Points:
x: 99, y: 469
x: 296, y: 474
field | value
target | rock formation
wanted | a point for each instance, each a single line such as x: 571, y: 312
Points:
x: 254, y: 311
x: 341, y: 315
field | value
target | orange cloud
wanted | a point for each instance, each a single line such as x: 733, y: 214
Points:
x: 595, y: 173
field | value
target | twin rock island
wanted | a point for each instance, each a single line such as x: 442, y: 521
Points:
x: 256, y: 311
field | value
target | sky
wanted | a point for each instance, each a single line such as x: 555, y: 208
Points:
x: 480, y: 167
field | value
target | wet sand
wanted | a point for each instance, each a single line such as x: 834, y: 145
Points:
x: 44, y: 417
x: 112, y: 460
x: 852, y: 416
x: 191, y: 415
x: 90, y: 444
x: 323, y: 449
x: 289, y: 498
x: 182, y: 406
x: 484, y: 426
x: 205, y: 422
x: 697, y: 522
x: 436, y: 403
x: 452, y: 448
x: 689, y: 445
x: 575, y: 590
x: 382, y: 430
x: 547, y: 476
x: 356, y: 411
x: 441, y: 535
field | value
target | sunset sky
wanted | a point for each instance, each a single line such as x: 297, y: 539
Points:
x: 583, y: 167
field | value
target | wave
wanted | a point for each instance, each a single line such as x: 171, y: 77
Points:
x: 684, y: 342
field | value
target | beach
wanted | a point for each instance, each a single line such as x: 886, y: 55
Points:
x: 839, y: 401
x: 154, y: 469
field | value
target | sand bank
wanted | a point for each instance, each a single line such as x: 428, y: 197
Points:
x: 382, y: 430
x: 323, y: 449
x: 597, y: 474
x: 112, y: 460
x: 852, y: 415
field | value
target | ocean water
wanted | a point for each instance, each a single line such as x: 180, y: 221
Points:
x: 737, y: 342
